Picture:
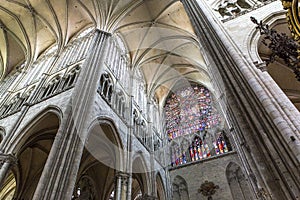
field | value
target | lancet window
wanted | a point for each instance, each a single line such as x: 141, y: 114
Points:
x: 120, y: 103
x: 105, y: 88
x: 14, y: 105
x: 51, y: 88
x: 71, y: 77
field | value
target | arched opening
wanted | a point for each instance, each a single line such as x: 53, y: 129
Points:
x: 51, y: 88
x: 139, y: 179
x: 237, y: 182
x: 71, y: 77
x: 32, y: 152
x: 191, y: 115
x: 160, y: 189
x: 105, y: 88
x: 279, y: 70
x: 100, y: 161
x: 180, y: 189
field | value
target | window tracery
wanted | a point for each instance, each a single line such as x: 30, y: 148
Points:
x: 120, y: 103
x: 193, y: 126
x: 51, y: 88
x: 105, y: 88
x: 190, y: 110
x: 13, y: 105
x: 140, y: 129
x: 231, y: 8
x: 140, y: 92
x: 71, y: 77
x: 136, y: 122
x: 16, y: 102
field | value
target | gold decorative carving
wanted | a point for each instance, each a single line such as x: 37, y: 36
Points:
x: 286, y: 4
x: 293, y: 17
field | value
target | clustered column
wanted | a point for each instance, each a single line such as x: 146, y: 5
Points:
x: 223, y: 56
x: 60, y: 172
x: 6, y: 162
x: 121, y: 185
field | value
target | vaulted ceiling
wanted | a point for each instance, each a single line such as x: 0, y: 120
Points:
x: 157, y: 34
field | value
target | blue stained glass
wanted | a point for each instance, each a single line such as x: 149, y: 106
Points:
x: 189, y: 111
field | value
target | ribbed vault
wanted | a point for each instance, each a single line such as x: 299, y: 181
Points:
x: 158, y: 36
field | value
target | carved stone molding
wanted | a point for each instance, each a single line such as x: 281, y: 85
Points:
x: 208, y: 189
x: 124, y: 177
x: 261, y: 66
x: 8, y: 158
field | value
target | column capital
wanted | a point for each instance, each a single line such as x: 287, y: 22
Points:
x: 7, y: 158
x: 122, y: 174
x: 123, y: 177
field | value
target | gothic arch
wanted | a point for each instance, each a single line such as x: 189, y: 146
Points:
x: 32, y: 151
x: 22, y: 135
x: 14, y: 103
x: 51, y: 87
x: 238, y: 183
x: 29, y: 91
x: 71, y: 76
x: 140, y: 175
x: 160, y: 187
x: 101, y: 159
x: 278, y: 69
x: 180, y: 189
x: 253, y: 38
x: 120, y: 103
x: 106, y: 86
x: 104, y: 131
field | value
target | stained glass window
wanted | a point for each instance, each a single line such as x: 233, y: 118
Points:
x: 190, y: 114
x: 190, y: 110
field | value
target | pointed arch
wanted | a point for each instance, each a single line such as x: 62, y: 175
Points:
x: 101, y: 159
x: 238, y: 183
x: 103, y: 131
x: 160, y: 187
x: 180, y: 189
x: 33, y: 145
x: 140, y: 172
x: 33, y: 124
